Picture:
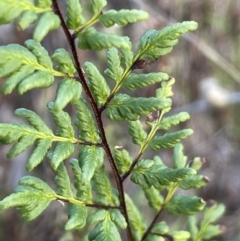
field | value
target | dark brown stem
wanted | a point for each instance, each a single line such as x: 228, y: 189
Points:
x: 126, y: 174
x: 96, y: 205
x: 87, y: 143
x: 97, y: 115
x: 147, y: 232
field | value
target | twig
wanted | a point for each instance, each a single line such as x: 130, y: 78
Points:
x: 126, y: 174
x: 147, y: 232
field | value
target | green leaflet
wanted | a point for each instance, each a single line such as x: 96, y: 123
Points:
x: 166, y: 88
x: 181, y: 235
x: 179, y: 159
x: 96, y: 6
x: 63, y: 181
x: 63, y: 122
x: 13, y: 81
x: 122, y: 17
x: 137, y: 222
x: 19, y: 63
x: 118, y: 219
x: 68, y: 90
x: 155, y: 43
x: 134, y: 81
x: 213, y: 213
x: 148, y: 174
x: 186, y: 205
x: 90, y: 159
x: 40, y: 53
x: 23, y: 143
x: 10, y: 132
x: 62, y: 151
x: 105, y: 194
x: 195, y: 182
x: 122, y: 159
x: 126, y: 58
x: 33, y: 119
x: 31, y: 198
x: 40, y: 150
x: 167, y: 122
x: 11, y: 9
x: 123, y: 107
x: 64, y: 62
x: 92, y: 39
x: 26, y: 18
x: 65, y: 148
x: 160, y: 228
x: 97, y: 83
x: 169, y: 140
x: 47, y: 22
x: 85, y: 122
x: 151, y: 237
x: 114, y: 214
x: 197, y: 163
x: 83, y: 188
x: 77, y: 217
x: 39, y: 79
x: 212, y: 231
x: 43, y: 3
x: 206, y: 229
x: 18, y: 55
x: 192, y: 226
x: 74, y: 14
x: 155, y: 199
x: 105, y: 230
x: 26, y: 135
x: 135, y: 129
x: 114, y: 69
x: 98, y: 216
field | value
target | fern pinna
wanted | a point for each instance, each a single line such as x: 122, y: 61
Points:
x: 93, y: 198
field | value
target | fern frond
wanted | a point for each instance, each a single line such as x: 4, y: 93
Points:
x: 134, y: 81
x: 124, y: 107
x: 155, y: 43
x: 31, y: 198
x: 170, y: 139
x: 27, y: 13
x: 122, y: 17
x: 148, y: 174
x: 26, y: 68
x: 92, y: 39
x: 186, y: 205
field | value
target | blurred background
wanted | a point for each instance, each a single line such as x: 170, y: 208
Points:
x: 206, y: 66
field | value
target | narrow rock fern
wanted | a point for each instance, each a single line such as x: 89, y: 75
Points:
x: 91, y: 196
